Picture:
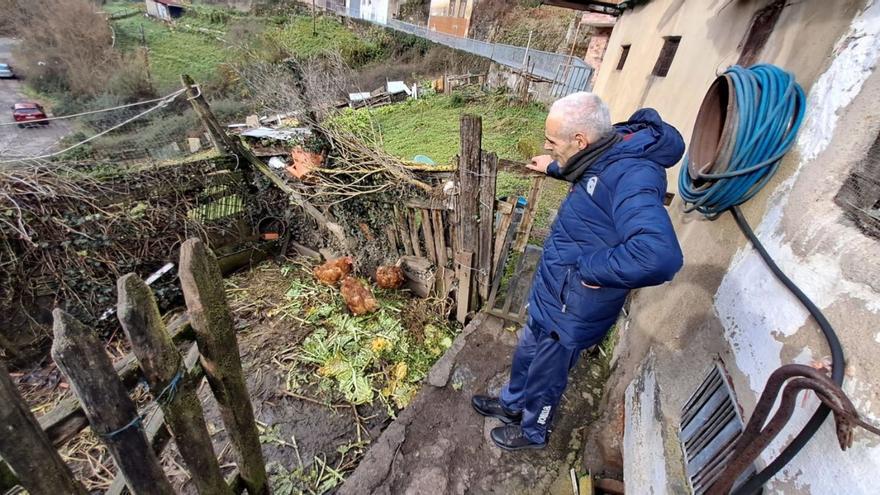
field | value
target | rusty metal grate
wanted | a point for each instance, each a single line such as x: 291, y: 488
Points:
x: 710, y: 424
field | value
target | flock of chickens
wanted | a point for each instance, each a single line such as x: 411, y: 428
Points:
x: 357, y: 295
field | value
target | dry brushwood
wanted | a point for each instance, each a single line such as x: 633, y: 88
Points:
x: 69, y: 231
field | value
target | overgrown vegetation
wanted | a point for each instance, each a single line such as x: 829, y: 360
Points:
x: 430, y: 126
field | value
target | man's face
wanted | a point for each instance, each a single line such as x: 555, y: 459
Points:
x: 559, y: 145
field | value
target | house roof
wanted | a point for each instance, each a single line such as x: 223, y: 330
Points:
x: 613, y: 7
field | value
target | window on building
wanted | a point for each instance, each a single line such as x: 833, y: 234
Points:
x: 860, y: 194
x: 759, y: 32
x: 667, y: 53
x: 624, y: 52
x: 461, y: 8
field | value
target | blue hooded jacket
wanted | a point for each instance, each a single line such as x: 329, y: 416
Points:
x: 612, y: 231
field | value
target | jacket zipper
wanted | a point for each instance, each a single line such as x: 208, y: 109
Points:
x: 564, y: 290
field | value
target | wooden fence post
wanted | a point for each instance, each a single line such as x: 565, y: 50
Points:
x: 211, y: 319
x: 27, y: 449
x: 467, y: 230
x: 488, y: 173
x: 219, y: 139
x: 112, y: 414
x: 173, y: 388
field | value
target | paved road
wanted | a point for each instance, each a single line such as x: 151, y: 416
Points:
x: 15, y: 142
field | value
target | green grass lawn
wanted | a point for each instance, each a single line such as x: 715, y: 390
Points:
x: 298, y: 37
x: 172, y: 51
x: 430, y: 126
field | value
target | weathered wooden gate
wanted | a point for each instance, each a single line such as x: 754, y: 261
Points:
x: 102, y: 400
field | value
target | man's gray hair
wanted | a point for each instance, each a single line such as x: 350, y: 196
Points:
x: 584, y: 113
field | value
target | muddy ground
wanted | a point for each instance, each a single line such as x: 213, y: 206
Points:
x: 313, y: 440
x: 440, y: 445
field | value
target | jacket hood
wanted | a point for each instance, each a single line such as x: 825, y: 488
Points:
x: 645, y: 135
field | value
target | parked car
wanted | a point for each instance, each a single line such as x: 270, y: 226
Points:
x: 6, y: 71
x: 27, y: 113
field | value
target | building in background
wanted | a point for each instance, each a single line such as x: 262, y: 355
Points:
x: 165, y: 9
x: 451, y: 16
x: 599, y: 28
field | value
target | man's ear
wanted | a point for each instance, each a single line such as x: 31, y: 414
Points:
x: 581, y: 140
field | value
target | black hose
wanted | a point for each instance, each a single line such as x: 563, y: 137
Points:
x: 753, y: 485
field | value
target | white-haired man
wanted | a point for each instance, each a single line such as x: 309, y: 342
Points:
x: 612, y: 234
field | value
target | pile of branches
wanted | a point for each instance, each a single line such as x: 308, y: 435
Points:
x: 353, y: 193
x: 67, y: 232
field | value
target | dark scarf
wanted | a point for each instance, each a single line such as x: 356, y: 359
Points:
x: 583, y: 159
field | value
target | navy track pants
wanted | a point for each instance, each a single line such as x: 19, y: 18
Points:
x: 538, y: 378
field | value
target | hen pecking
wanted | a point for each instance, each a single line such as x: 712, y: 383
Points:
x: 358, y: 296
x: 389, y: 277
x: 333, y: 271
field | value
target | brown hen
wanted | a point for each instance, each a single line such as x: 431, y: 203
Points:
x: 389, y: 277
x: 333, y: 271
x: 358, y: 296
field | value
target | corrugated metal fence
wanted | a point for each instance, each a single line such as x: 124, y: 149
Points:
x: 568, y: 74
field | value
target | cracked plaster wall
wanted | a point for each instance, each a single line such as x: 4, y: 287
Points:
x: 725, y: 302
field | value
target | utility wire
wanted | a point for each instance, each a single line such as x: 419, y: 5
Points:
x: 92, y: 112
x: 162, y: 103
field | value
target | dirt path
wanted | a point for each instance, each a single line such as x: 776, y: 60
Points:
x: 440, y: 445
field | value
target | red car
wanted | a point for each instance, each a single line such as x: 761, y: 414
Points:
x: 28, y: 114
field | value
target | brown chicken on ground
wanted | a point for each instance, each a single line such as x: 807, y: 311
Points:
x: 389, y: 277
x: 358, y: 296
x: 333, y: 271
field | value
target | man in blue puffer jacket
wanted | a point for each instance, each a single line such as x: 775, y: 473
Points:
x: 612, y: 234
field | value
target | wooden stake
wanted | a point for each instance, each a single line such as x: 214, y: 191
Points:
x: 221, y: 141
x: 169, y: 382
x: 211, y: 319
x: 463, y: 262
x: 525, y: 227
x: 488, y: 172
x: 413, y: 229
x: 402, y: 225
x: 27, y: 449
x: 428, y: 232
x: 439, y: 237
x: 112, y: 414
x: 506, y: 209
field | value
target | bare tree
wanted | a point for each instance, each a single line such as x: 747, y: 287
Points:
x: 65, y: 43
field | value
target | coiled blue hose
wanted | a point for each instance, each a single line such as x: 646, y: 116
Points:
x: 770, y: 109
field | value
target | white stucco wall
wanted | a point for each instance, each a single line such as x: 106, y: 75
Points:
x: 761, y: 319
x: 374, y: 10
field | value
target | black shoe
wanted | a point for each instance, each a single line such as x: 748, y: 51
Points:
x: 511, y: 437
x: 492, y: 407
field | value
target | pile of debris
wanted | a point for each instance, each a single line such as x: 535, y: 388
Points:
x: 392, y: 92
